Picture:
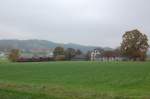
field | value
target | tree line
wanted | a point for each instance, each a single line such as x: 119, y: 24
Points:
x: 61, y: 54
x: 134, y: 46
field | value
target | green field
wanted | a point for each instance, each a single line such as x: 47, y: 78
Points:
x: 75, y: 80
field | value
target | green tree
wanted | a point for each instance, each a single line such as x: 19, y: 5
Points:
x: 88, y: 55
x: 78, y: 52
x: 14, y: 55
x: 134, y: 45
x: 59, y: 51
x: 70, y: 53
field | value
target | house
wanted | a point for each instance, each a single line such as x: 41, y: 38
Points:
x: 95, y: 55
x: 98, y: 55
x: 111, y: 56
x: 35, y: 55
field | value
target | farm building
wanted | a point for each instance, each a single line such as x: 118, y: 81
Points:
x: 97, y: 55
x: 36, y: 55
x: 2, y: 54
x: 81, y: 57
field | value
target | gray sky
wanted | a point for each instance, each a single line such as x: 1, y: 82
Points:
x: 88, y: 22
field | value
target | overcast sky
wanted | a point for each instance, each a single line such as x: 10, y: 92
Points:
x: 88, y: 22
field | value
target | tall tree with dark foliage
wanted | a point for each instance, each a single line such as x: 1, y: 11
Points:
x: 134, y: 45
x: 70, y: 53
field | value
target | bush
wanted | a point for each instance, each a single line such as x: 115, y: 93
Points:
x: 14, y: 55
x: 59, y: 57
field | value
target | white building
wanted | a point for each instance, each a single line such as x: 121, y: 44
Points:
x: 95, y: 55
x: 2, y: 54
x: 98, y: 55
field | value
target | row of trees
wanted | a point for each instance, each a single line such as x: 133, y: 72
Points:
x: 134, y: 46
x: 61, y: 54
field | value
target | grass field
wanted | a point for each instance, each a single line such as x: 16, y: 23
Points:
x: 75, y: 80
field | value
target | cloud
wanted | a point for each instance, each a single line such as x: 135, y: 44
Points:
x: 88, y: 22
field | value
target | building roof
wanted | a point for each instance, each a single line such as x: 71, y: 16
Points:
x: 80, y: 57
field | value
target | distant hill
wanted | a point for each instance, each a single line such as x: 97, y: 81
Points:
x: 33, y: 44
